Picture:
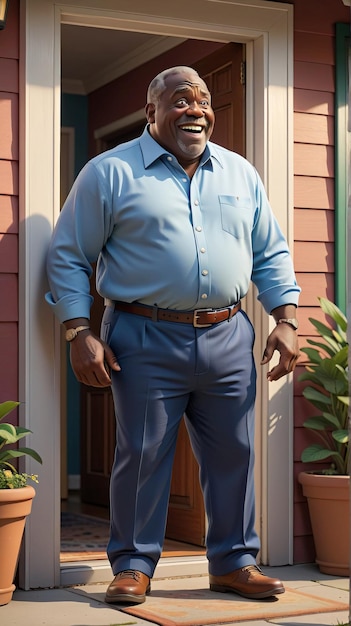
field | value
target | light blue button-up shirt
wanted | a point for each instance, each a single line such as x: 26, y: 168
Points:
x: 164, y: 239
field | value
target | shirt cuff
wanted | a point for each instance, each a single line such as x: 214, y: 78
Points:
x: 70, y: 307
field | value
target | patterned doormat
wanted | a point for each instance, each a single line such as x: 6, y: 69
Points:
x: 83, y: 537
x: 200, y: 606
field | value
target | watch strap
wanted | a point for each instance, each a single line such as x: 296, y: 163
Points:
x: 72, y: 333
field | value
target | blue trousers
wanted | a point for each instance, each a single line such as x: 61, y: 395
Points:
x: 169, y: 369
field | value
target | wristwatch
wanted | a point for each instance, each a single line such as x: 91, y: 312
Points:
x: 72, y: 333
x: 289, y: 320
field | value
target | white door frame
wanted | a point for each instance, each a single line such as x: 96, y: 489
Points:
x: 267, y: 30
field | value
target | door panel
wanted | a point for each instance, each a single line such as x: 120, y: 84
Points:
x: 186, y: 516
x: 98, y: 440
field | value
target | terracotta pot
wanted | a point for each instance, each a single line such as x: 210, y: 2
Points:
x: 15, y: 505
x: 328, y: 500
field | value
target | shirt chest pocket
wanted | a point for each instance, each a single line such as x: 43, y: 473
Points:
x: 236, y: 215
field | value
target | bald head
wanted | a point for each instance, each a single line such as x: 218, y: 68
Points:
x: 158, y: 84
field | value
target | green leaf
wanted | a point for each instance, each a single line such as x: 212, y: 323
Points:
x: 8, y: 433
x: 309, y: 375
x: 12, y: 433
x: 334, y: 344
x: 335, y: 386
x: 7, y: 407
x: 321, y: 422
x: 13, y: 454
x: 323, y: 346
x: 344, y: 399
x: 342, y: 357
x: 340, y: 336
x: 341, y: 436
x: 313, y: 355
x: 316, y: 452
x: 329, y: 308
x: 323, y: 330
x: 32, y: 453
x: 313, y: 395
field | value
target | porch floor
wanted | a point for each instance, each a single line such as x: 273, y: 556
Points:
x: 73, y: 606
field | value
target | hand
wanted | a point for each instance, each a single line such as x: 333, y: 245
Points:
x: 284, y: 339
x: 90, y: 359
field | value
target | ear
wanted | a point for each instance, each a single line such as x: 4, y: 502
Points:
x: 150, y: 112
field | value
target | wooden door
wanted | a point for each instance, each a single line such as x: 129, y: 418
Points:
x: 186, y: 521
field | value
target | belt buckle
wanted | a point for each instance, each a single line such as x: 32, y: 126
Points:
x: 195, y: 316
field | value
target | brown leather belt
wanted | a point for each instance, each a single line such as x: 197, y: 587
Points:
x: 199, y: 318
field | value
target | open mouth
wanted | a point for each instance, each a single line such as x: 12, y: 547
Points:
x: 192, y: 128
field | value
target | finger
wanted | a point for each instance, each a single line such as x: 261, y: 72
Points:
x: 111, y: 359
x: 94, y: 377
x: 282, y: 368
x: 267, y: 355
x: 102, y: 379
x: 293, y: 362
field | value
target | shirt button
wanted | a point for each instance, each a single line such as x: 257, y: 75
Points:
x: 204, y: 272
x: 199, y: 229
x: 184, y: 180
x: 203, y: 250
x: 169, y: 158
x: 204, y: 296
x: 196, y: 203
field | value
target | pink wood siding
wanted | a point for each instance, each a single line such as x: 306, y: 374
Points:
x: 9, y: 162
x: 314, y: 89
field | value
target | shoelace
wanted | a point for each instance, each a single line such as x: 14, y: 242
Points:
x: 129, y: 573
x: 252, y: 568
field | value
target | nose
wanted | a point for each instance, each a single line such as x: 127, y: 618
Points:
x: 194, y: 109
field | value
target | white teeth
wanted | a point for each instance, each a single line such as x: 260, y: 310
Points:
x: 193, y: 129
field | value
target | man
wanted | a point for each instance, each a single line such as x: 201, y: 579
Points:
x: 179, y: 226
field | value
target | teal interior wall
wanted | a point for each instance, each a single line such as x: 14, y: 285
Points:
x: 74, y: 114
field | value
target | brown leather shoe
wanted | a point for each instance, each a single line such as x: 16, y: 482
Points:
x: 129, y: 586
x: 249, y: 582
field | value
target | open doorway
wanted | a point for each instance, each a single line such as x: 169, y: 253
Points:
x: 267, y: 30
x: 90, y: 449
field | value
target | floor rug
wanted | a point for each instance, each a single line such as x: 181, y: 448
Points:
x: 83, y: 537
x: 201, y: 607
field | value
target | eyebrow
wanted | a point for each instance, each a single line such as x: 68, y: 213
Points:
x: 188, y: 87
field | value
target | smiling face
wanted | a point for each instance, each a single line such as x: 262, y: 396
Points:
x: 181, y: 117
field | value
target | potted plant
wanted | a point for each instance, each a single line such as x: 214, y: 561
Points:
x: 327, y: 488
x: 15, y: 499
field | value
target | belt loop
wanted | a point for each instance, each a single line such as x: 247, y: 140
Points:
x: 154, y: 315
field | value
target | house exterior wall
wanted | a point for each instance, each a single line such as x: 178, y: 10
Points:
x: 9, y: 209
x: 314, y: 193
x: 314, y: 88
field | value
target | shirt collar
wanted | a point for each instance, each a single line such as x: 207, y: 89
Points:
x: 151, y: 150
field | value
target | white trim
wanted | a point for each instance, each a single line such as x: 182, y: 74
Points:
x: 39, y: 346
x: 267, y: 28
